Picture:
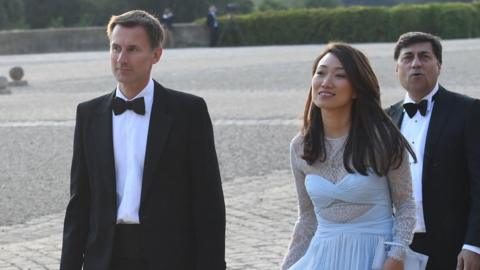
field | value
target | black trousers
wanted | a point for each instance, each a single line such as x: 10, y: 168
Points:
x: 127, y: 251
x: 214, y: 33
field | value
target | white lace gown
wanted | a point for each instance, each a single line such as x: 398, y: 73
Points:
x: 343, y: 217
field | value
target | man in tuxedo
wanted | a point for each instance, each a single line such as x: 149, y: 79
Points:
x: 443, y: 128
x: 145, y: 183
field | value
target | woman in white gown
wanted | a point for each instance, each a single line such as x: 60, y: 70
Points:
x: 350, y: 165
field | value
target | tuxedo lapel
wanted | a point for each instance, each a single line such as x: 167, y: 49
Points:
x: 439, y: 118
x: 103, y: 142
x: 159, y: 127
x: 396, y: 113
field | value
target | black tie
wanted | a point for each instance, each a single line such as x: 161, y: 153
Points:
x: 412, y: 108
x: 120, y: 105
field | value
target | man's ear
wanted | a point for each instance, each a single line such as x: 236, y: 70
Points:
x: 157, y: 54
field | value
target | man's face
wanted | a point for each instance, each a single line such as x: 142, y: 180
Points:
x: 132, y: 57
x: 418, y: 69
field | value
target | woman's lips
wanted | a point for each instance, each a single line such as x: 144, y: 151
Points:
x: 326, y: 94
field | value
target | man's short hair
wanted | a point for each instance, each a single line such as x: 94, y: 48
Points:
x: 410, y: 38
x: 141, y: 18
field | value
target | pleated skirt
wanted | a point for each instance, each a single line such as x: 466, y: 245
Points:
x: 340, y: 251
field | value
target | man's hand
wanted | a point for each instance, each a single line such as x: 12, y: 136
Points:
x: 468, y: 260
x: 392, y: 264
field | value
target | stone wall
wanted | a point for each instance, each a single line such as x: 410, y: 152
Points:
x: 86, y: 39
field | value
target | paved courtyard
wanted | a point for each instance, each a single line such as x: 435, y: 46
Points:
x: 255, y: 97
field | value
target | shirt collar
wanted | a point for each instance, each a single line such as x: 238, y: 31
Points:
x: 146, y: 92
x: 427, y: 97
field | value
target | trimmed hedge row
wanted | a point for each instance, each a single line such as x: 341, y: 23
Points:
x: 11, y: 14
x: 354, y: 24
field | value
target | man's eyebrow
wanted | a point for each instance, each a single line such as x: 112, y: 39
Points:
x: 425, y: 52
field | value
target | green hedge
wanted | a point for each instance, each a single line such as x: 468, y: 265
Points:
x: 11, y: 14
x: 476, y: 24
x: 354, y: 24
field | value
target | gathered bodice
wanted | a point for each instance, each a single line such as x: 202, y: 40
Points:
x: 353, y: 188
x: 370, y: 190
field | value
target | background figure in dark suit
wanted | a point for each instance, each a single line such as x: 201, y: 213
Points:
x: 167, y: 19
x: 167, y: 22
x: 145, y: 184
x: 444, y: 129
x: 212, y: 24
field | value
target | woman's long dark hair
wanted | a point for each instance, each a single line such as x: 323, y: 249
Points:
x: 373, y: 140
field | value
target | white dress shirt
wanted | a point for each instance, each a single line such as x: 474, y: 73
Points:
x: 415, y: 131
x: 130, y: 132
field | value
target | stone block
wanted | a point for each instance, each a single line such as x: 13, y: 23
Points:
x: 16, y: 74
x: 4, y: 86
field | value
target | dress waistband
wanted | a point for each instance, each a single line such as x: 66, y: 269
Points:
x: 380, y: 227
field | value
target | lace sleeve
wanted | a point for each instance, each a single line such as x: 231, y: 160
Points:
x: 306, y: 223
x: 400, y: 181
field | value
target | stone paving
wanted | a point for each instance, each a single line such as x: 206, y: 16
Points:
x: 255, y: 96
x: 260, y: 213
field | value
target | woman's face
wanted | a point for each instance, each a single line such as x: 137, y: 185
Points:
x: 331, y: 89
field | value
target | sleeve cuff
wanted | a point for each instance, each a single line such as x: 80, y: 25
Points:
x: 472, y: 248
x: 397, y: 252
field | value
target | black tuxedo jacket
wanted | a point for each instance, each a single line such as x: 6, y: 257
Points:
x: 451, y: 178
x: 182, y: 211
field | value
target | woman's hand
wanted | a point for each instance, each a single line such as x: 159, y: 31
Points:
x: 392, y: 264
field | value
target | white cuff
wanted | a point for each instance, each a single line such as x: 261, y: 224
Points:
x: 472, y: 248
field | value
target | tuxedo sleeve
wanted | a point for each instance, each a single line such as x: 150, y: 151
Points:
x: 472, y: 148
x: 76, y: 217
x: 207, y: 194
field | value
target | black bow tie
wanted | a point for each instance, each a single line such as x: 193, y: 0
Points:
x: 412, y: 108
x: 137, y: 105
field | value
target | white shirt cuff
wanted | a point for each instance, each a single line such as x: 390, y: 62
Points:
x: 471, y: 248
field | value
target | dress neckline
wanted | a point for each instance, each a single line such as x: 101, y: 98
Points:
x: 343, y: 137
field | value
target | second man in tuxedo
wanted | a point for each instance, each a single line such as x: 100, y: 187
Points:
x: 443, y: 128
x: 145, y: 183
